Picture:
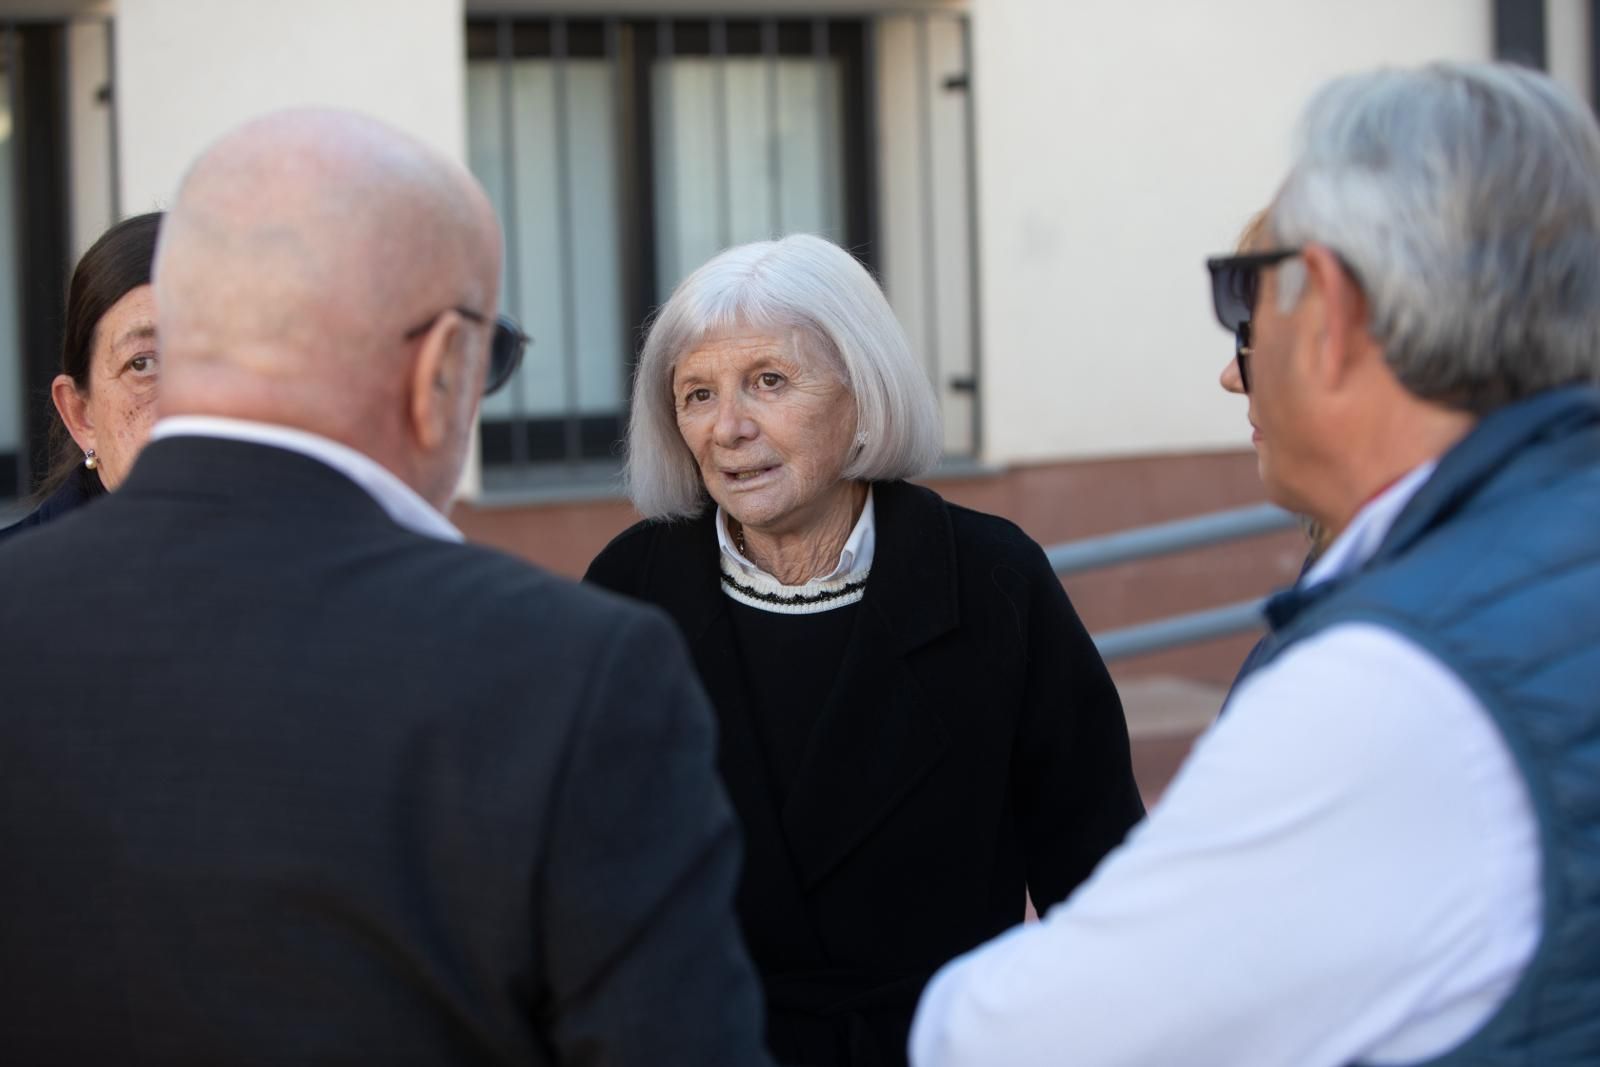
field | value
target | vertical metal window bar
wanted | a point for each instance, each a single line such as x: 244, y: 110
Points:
x: 769, y: 52
x: 619, y: 113
x: 667, y: 211
x: 572, y: 429
x: 513, y: 251
x: 9, y: 53
x: 930, y: 247
x: 113, y: 130
x: 719, y: 105
x: 969, y: 115
x: 822, y: 69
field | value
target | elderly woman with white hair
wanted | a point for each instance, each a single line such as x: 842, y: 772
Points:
x: 916, y: 729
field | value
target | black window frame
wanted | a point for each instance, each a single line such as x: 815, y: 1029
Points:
x: 35, y: 65
x: 633, y: 44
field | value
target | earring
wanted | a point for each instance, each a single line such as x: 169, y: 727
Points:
x: 89, y: 462
x: 861, y: 438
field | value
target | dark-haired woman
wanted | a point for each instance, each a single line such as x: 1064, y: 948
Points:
x: 106, y: 391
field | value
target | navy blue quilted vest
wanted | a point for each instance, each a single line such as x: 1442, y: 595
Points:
x: 1494, y: 568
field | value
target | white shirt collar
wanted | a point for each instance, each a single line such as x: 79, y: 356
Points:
x: 1370, y: 526
x: 399, y: 500
x: 856, y: 556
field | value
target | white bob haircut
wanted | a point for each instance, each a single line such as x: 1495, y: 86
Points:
x: 802, y: 287
x: 1465, y: 199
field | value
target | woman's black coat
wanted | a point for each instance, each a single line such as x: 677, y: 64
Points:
x: 79, y: 488
x: 973, y: 745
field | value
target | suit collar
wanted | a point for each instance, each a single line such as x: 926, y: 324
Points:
x: 402, y: 503
x: 880, y: 734
x: 247, y: 479
x: 913, y: 586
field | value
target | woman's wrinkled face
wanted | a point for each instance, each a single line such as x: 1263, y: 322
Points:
x: 114, y: 415
x: 770, y: 427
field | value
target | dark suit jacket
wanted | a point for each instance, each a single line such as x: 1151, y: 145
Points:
x: 973, y: 744
x: 284, y: 783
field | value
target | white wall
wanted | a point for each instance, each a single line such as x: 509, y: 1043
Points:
x: 187, y: 72
x: 1118, y: 145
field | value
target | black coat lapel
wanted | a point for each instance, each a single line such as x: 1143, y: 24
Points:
x: 686, y: 577
x: 880, y: 733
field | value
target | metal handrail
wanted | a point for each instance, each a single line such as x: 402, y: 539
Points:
x: 1178, y: 630
x: 1165, y: 538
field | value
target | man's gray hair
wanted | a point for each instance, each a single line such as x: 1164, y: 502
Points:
x: 800, y: 287
x: 1465, y: 198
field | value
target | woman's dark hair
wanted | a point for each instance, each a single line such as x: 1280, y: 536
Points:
x: 115, y: 265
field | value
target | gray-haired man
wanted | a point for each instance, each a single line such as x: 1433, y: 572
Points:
x: 1389, y: 850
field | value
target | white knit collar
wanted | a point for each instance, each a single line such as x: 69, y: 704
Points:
x: 844, y: 585
x: 766, y: 593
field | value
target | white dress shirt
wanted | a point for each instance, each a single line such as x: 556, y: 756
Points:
x: 854, y: 558
x: 1346, y: 869
x: 399, y: 500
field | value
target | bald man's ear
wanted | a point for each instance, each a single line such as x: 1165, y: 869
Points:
x: 437, y: 377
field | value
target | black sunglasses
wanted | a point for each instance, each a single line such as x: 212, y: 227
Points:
x: 1241, y: 354
x: 1236, y: 284
x: 505, y: 350
x: 1235, y: 287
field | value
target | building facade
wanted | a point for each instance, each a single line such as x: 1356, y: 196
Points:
x: 1036, y: 182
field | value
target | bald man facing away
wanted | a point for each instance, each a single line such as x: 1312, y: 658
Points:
x: 289, y: 775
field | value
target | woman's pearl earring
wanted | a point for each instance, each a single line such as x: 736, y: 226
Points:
x: 861, y: 438
x: 89, y: 460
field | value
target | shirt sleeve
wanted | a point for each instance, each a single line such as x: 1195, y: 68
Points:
x: 1346, y: 868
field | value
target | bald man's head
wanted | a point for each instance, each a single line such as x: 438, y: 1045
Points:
x: 301, y: 249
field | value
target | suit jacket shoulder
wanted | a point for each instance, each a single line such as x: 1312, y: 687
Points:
x: 467, y: 809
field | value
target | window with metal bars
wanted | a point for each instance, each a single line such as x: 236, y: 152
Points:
x: 621, y: 154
